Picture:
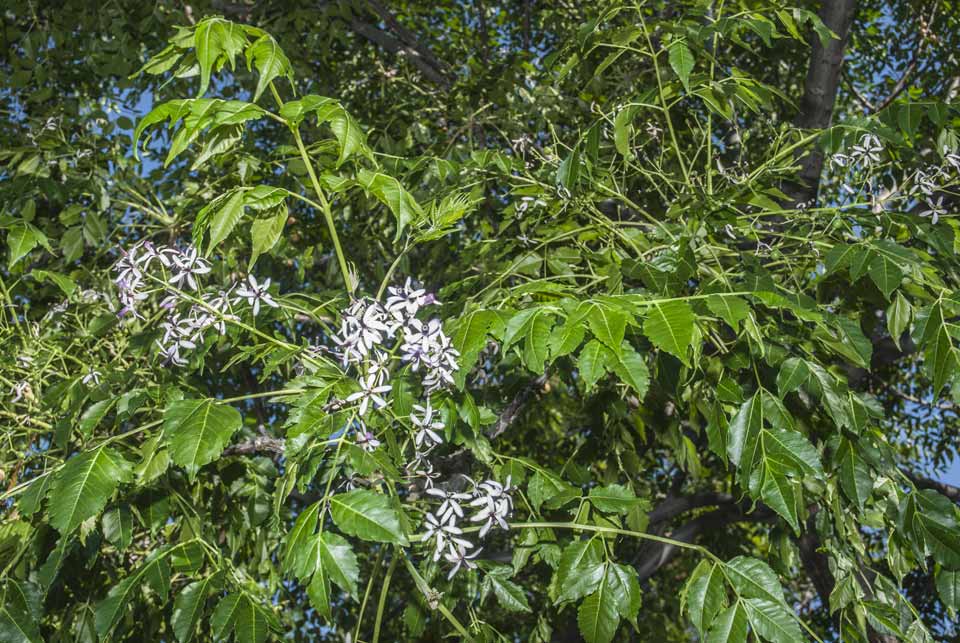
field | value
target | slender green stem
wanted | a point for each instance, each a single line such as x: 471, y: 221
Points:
x: 382, y: 603
x: 663, y: 102
x: 324, y: 207
x: 366, y: 593
x: 391, y: 270
x: 433, y: 596
x: 324, y: 204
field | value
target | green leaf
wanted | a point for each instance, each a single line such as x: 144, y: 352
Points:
x: 225, y: 219
x: 300, y: 557
x: 118, y: 526
x: 855, y: 477
x: 214, y: 39
x: 350, y: 137
x: 773, y: 621
x: 64, y: 283
x: 793, y: 374
x: 622, y: 126
x: 681, y: 61
x: 469, y: 337
x: 392, y: 194
x: 19, y: 622
x: 745, y: 428
x: 581, y: 570
x: 608, y: 325
x: 624, y: 586
x: 270, y: 62
x: 730, y: 626
x: 630, y: 367
x: 21, y: 240
x: 613, y: 498
x: 669, y: 326
x: 592, y: 362
x: 898, y: 317
x: 703, y: 595
x: 189, y: 605
x: 197, y: 431
x: 948, y: 588
x: 598, y: 617
x: 885, y: 274
x: 536, y: 341
x: 319, y: 592
x: 250, y: 621
x: 732, y: 310
x: 83, y: 486
x: 110, y: 609
x: 566, y: 337
x: 367, y: 515
x: 753, y: 578
x: 265, y: 232
x: 939, y: 355
x: 225, y: 615
x: 510, y: 595
x: 338, y: 561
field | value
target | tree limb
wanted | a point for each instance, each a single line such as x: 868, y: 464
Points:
x: 951, y: 492
x: 512, y: 410
x: 401, y: 41
x: 660, y: 554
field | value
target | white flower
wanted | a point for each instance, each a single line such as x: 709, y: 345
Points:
x: 369, y: 391
x: 363, y: 327
x: 365, y: 439
x: 867, y: 151
x: 952, y: 159
x: 460, y: 558
x: 841, y: 160
x: 20, y: 390
x: 255, y: 293
x: 934, y: 210
x: 187, y: 266
x: 171, y: 354
x: 450, y: 508
x: 445, y: 533
x: 91, y: 377
x: 495, y: 505
x: 405, y: 301
x: 924, y: 182
x: 427, y: 427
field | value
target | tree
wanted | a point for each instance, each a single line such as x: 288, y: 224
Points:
x: 515, y: 320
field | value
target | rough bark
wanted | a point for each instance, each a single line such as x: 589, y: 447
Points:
x: 820, y: 93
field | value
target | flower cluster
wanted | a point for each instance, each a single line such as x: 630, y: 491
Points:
x: 371, y: 337
x: 918, y: 189
x: 191, y: 311
x: 492, y: 505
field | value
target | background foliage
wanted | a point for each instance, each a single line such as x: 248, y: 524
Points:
x: 716, y: 366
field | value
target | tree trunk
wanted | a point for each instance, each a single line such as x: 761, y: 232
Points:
x: 820, y: 94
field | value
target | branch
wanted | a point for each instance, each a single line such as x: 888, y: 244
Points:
x: 661, y: 554
x: 512, y: 410
x: 259, y: 444
x: 407, y: 36
x: 951, y: 492
x: 672, y: 506
x: 402, y: 42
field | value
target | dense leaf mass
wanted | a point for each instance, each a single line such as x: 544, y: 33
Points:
x: 545, y: 321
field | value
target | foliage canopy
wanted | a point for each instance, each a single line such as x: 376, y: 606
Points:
x: 686, y: 345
